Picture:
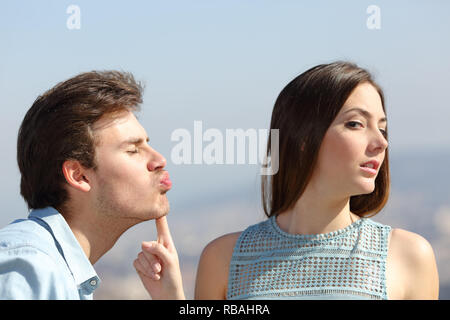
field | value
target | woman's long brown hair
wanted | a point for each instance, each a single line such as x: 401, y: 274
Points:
x: 303, y: 112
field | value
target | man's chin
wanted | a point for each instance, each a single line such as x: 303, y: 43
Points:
x: 162, y: 213
x: 163, y: 210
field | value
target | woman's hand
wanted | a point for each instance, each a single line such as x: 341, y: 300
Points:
x: 158, y: 267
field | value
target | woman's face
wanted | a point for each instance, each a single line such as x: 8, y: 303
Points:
x: 354, y: 138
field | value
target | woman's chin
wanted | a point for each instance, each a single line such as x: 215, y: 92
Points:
x: 365, y: 187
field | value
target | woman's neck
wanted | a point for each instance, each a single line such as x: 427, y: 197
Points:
x: 316, y: 216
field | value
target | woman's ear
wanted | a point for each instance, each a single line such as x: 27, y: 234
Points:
x: 76, y: 175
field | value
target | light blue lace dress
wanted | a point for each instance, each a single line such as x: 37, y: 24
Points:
x: 268, y: 263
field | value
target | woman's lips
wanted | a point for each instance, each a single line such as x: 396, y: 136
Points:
x: 369, y: 170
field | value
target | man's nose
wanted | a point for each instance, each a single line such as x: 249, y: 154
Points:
x: 156, y: 161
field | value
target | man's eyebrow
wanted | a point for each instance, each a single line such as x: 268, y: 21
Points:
x: 365, y: 113
x: 134, y: 140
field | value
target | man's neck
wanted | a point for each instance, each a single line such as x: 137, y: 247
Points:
x: 96, y: 236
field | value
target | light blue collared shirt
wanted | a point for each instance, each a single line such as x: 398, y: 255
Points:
x: 40, y: 258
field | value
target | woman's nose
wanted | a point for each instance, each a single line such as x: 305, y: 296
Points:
x: 380, y: 142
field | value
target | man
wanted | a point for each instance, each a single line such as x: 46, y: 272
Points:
x: 87, y: 174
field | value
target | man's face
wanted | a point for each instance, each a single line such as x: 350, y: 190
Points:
x: 129, y: 182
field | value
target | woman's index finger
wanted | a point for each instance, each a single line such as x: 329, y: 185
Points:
x: 162, y: 229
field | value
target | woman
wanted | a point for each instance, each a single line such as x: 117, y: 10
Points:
x: 319, y: 242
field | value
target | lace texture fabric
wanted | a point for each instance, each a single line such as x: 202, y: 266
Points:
x: 350, y: 263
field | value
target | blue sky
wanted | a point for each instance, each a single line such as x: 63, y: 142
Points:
x: 224, y: 63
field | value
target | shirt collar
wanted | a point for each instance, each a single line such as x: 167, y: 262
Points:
x: 81, y: 268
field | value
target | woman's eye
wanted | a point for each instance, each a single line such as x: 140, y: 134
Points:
x: 351, y: 123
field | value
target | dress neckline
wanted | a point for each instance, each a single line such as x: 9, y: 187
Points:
x: 318, y: 236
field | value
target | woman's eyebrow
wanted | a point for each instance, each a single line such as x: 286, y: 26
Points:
x: 365, y: 113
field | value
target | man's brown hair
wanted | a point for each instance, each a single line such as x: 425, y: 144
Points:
x: 58, y: 127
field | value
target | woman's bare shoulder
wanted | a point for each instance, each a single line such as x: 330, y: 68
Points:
x: 225, y: 242
x: 212, y: 273
x: 415, y: 256
x: 412, y: 245
x: 219, y: 251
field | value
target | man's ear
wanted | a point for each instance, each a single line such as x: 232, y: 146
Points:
x: 75, y: 175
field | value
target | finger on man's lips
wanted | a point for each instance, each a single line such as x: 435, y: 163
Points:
x: 162, y: 229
